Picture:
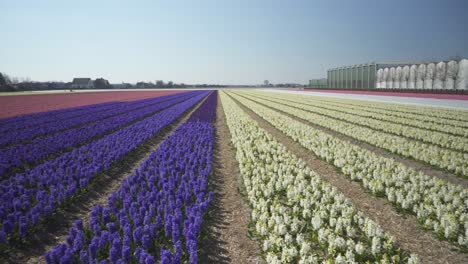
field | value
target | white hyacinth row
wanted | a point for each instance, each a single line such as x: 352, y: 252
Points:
x: 453, y: 117
x: 451, y: 75
x: 455, y: 127
x: 297, y: 217
x: 439, y: 206
x: 362, y: 118
x: 442, y: 158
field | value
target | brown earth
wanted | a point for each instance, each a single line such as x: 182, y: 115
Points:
x: 228, y: 218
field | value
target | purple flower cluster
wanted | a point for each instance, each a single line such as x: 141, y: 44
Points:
x: 30, y: 120
x: 17, y: 136
x: 157, y: 213
x: 27, y: 197
x: 207, y: 111
x: 35, y: 151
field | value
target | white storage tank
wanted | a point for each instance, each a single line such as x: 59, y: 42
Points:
x: 428, y: 80
x: 379, y: 78
x: 391, y: 78
x: 412, y: 76
x: 404, y: 77
x: 452, y: 72
x: 398, y: 74
x: 420, y: 75
x: 440, y: 72
x: 385, y: 78
x: 462, y: 76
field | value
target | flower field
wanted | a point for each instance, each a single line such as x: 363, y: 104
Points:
x: 56, y: 103
x: 317, y: 180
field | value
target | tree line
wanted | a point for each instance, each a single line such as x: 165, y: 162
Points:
x: 6, y: 83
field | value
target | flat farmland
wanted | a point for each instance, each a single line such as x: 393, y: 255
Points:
x: 14, y: 105
x: 234, y: 176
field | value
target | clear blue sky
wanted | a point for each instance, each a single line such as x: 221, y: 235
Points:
x: 222, y: 41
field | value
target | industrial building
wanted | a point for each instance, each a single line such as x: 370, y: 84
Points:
x: 443, y: 75
x: 359, y: 76
x: 318, y: 83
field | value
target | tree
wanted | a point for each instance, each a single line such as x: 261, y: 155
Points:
x: 159, y: 84
x: 6, y: 78
x: 3, y: 81
x: 170, y: 84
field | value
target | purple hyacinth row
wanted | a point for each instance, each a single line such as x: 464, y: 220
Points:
x: 157, y: 213
x: 38, y: 149
x: 27, y: 197
x: 207, y: 111
x: 21, y: 122
x: 17, y: 136
x: 29, y: 120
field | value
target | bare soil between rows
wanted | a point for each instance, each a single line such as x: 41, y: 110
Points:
x: 405, y: 229
x: 226, y: 226
x: 55, y: 230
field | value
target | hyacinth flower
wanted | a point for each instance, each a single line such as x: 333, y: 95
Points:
x: 60, y: 122
x: 36, y: 150
x: 41, y: 190
x: 157, y: 213
x: 45, y: 119
x: 437, y: 204
x: 297, y: 217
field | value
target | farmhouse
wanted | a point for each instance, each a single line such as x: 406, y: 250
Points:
x: 82, y: 83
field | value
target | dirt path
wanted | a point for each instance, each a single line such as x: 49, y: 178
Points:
x: 227, y: 224
x: 405, y: 229
x: 56, y: 231
x: 419, y: 166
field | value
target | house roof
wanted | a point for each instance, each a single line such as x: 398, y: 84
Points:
x: 84, y: 81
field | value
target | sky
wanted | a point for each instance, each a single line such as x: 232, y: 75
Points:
x: 224, y: 42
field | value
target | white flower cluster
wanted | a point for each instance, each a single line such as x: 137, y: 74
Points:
x: 356, y: 117
x: 297, y: 217
x: 439, y: 206
x: 451, y: 121
x: 455, y: 117
x: 443, y: 158
x: 383, y: 122
x: 454, y: 127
